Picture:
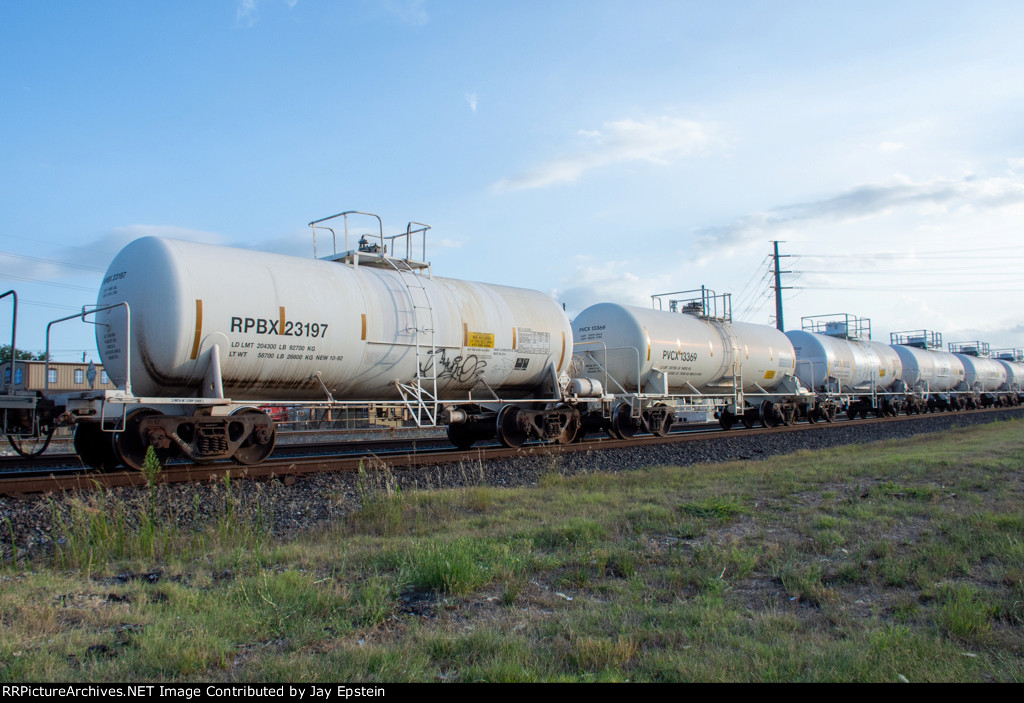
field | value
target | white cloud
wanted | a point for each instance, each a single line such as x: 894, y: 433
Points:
x: 245, y: 13
x: 472, y: 100
x: 889, y: 147
x: 411, y: 11
x: 929, y: 198
x: 592, y: 282
x: 661, y: 141
x: 120, y: 236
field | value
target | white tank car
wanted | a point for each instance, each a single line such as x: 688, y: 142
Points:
x: 642, y: 349
x: 281, y: 321
x: 981, y: 373
x: 929, y: 369
x: 854, y: 364
x: 1014, y: 372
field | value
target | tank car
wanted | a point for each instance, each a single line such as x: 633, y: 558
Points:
x: 930, y: 375
x: 200, y: 336
x: 837, y: 359
x: 688, y: 354
x: 1013, y: 361
x: 983, y: 377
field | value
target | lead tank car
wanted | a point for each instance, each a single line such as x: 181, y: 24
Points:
x: 200, y: 336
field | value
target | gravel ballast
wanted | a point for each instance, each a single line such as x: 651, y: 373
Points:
x: 314, y: 500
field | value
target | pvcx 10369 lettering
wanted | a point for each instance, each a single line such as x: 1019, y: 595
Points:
x: 259, y: 325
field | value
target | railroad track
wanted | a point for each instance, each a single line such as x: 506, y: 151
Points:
x: 390, y: 452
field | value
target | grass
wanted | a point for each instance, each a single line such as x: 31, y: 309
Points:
x: 897, y: 561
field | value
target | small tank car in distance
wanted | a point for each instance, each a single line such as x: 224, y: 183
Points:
x: 690, y: 355
x: 837, y: 359
x: 930, y: 374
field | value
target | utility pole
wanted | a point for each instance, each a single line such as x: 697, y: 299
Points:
x: 779, y: 287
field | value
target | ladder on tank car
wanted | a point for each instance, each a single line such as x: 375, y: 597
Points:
x: 419, y: 396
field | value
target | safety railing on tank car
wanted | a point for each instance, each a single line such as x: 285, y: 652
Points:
x: 979, y: 349
x: 707, y: 304
x: 385, y: 243
x: 10, y: 401
x: 838, y: 324
x: 127, y: 351
x: 923, y: 339
x: 1014, y: 355
x: 14, y: 329
x: 606, y: 349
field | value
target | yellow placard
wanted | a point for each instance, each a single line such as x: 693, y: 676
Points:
x: 769, y: 375
x: 480, y: 339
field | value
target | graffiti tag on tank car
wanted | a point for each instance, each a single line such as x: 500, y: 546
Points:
x: 291, y: 328
x: 461, y: 369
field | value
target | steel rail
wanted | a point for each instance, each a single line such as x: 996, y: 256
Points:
x: 288, y: 469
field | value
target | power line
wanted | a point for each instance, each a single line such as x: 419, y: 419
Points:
x: 66, y: 264
x: 48, y: 283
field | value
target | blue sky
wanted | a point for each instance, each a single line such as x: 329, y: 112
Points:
x: 594, y: 150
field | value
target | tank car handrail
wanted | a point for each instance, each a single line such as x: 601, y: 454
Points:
x: 345, y: 214
x: 14, y: 329
x: 409, y: 231
x: 972, y: 348
x: 708, y: 302
x: 853, y: 327
x: 925, y: 339
x: 82, y: 315
x: 386, y: 242
x: 603, y: 369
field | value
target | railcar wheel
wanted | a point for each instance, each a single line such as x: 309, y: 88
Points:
x: 770, y: 416
x: 129, y: 446
x: 623, y: 422
x: 726, y: 419
x: 29, y: 446
x: 748, y: 421
x: 259, y: 444
x: 460, y: 437
x: 95, y: 447
x: 510, y: 430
